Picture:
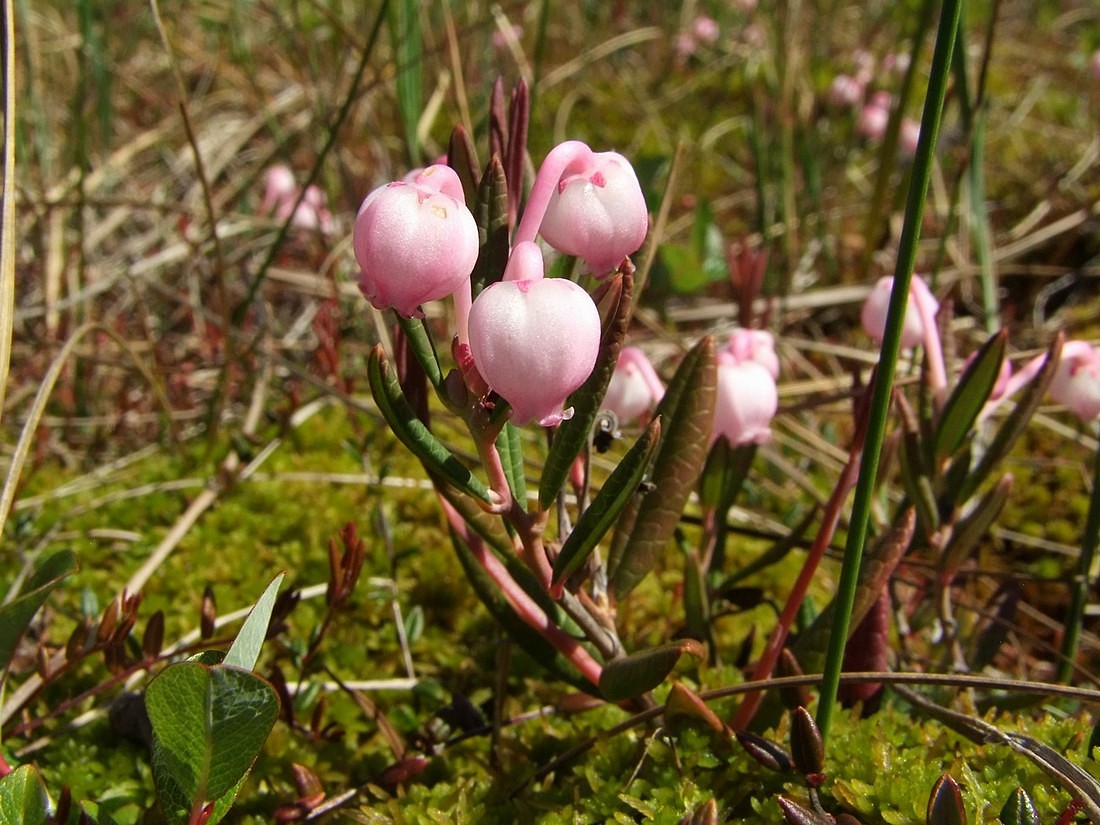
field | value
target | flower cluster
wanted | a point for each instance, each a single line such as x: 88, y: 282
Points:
x: 532, y: 340
x: 748, y: 398
x: 284, y: 199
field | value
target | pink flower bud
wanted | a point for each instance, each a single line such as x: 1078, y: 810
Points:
x: 415, y: 241
x: 635, y: 388
x: 873, y: 316
x: 705, y: 29
x: 873, y: 120
x: 279, y: 188
x: 746, y: 403
x: 754, y: 345
x: 596, y: 210
x: 908, y: 137
x: 1076, y: 383
x: 534, y: 340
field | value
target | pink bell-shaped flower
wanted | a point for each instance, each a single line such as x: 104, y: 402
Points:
x: 635, y: 388
x: 746, y: 403
x: 596, y: 210
x: 754, y: 345
x: 1077, y: 380
x: 873, y: 315
x: 415, y: 241
x: 534, y: 340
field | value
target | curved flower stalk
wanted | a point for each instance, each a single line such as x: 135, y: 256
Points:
x: 415, y: 241
x: 534, y: 340
x: 587, y: 204
x: 635, y: 388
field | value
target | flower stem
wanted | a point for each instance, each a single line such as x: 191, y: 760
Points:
x: 555, y: 164
x: 882, y: 386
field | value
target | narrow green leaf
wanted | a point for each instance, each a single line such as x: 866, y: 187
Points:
x: 969, y: 396
x: 23, y: 797
x: 641, y: 672
x: 969, y: 529
x: 572, y: 435
x: 462, y: 157
x: 423, y: 347
x: 1019, y: 809
x: 245, y: 649
x: 615, y: 494
x: 405, y: 31
x: 697, y: 613
x: 491, y: 213
x: 687, y: 411
x: 1014, y: 425
x: 16, y: 615
x: 724, y: 474
x: 917, y: 482
x: 435, y: 457
x: 209, y: 724
x: 510, y: 448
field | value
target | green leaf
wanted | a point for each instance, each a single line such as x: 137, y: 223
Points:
x: 423, y: 348
x: 23, y: 797
x: 405, y: 31
x: 1013, y: 426
x: 435, y: 457
x: 1019, y: 809
x: 641, y: 672
x: 16, y: 615
x: 724, y: 474
x: 462, y: 157
x: 209, y: 724
x: 511, y: 456
x: 245, y: 649
x: 945, y: 806
x: 491, y: 214
x: 572, y: 435
x: 687, y: 411
x: 970, y: 395
x: 615, y: 494
x: 969, y: 529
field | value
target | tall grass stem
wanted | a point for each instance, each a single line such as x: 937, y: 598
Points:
x: 882, y: 386
x: 7, y: 206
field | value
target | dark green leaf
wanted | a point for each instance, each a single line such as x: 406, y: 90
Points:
x: 209, y: 724
x: 16, y: 615
x: 971, y: 527
x: 970, y: 394
x: 245, y: 649
x: 1019, y: 809
x: 510, y: 449
x: 491, y: 213
x: 462, y: 157
x: 807, y: 749
x: 687, y: 412
x: 945, y: 805
x: 572, y: 435
x: 724, y: 473
x: 435, y: 457
x: 422, y: 346
x: 23, y: 797
x: 616, y: 492
x: 771, y: 755
x: 404, y: 21
x: 641, y: 672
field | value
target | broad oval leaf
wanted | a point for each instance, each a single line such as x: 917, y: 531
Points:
x: 1019, y: 809
x: 245, y: 649
x: 209, y: 724
x: 969, y: 396
x: 435, y: 457
x: 23, y: 797
x: 641, y: 672
x: 616, y: 492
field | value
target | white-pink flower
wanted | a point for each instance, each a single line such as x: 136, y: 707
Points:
x: 754, y: 345
x: 1076, y: 382
x: 592, y: 203
x: 873, y: 315
x: 845, y: 91
x: 746, y: 402
x: 635, y: 389
x: 873, y: 119
x: 534, y: 340
x: 415, y: 241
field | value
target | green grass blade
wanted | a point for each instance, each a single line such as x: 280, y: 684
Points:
x: 407, y: 49
x: 884, y: 381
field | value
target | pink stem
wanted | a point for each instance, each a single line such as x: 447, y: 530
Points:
x: 1015, y: 382
x: 546, y: 181
x: 524, y: 606
x: 933, y: 347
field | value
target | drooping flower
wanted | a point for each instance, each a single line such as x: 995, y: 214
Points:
x: 873, y: 315
x: 1076, y: 382
x: 534, y: 340
x: 754, y: 345
x: 415, y: 241
x: 280, y: 200
x: 587, y: 204
x: 845, y: 91
x: 875, y: 116
x: 746, y: 402
x: 635, y: 388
